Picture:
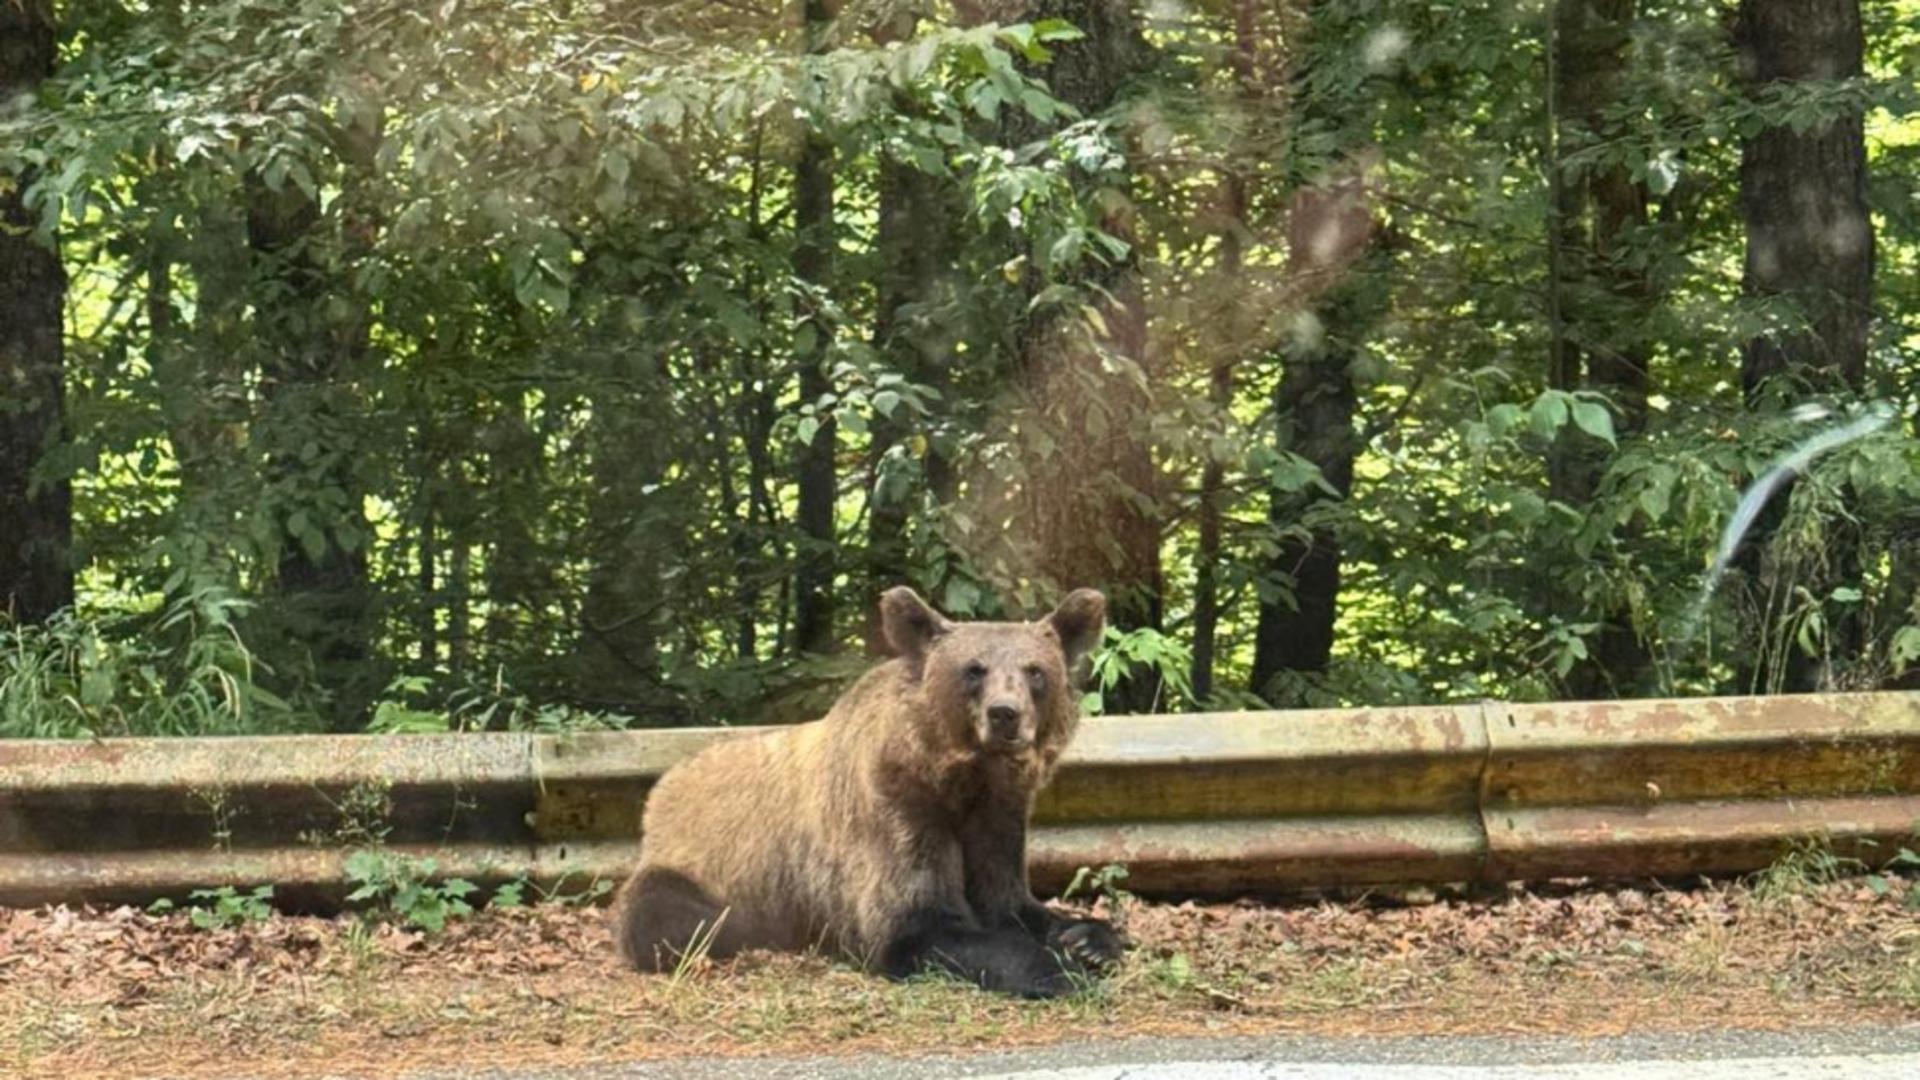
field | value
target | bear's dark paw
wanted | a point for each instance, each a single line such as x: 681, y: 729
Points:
x: 1043, y: 985
x: 1090, y: 943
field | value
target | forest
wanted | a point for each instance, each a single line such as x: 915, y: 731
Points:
x: 370, y: 365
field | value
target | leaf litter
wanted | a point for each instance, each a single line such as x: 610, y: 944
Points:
x: 124, y: 993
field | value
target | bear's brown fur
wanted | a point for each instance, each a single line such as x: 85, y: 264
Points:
x: 893, y: 831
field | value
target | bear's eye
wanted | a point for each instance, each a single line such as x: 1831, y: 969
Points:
x: 1037, y: 679
x: 975, y: 673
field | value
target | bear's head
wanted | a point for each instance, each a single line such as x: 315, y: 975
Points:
x: 996, y: 687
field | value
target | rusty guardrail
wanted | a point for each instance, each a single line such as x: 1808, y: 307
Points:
x: 1205, y: 804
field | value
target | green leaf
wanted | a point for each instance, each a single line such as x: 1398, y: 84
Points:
x: 1813, y: 628
x: 1179, y: 970
x: 1039, y: 105
x: 194, y: 144
x: 1502, y: 417
x: 1291, y: 473
x: 96, y: 688
x: 1549, y: 413
x: 1057, y: 30
x: 1657, y: 497
x: 1905, y: 648
x: 363, y: 865
x: 1529, y: 508
x: 1019, y: 35
x: 1663, y: 173
x: 985, y: 100
x: 961, y: 596
x: 1594, y: 419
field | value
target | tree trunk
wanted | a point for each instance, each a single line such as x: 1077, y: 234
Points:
x: 1206, y: 584
x: 625, y: 613
x: 518, y: 582
x: 36, y: 519
x: 1599, y: 296
x: 324, y: 604
x: 1810, y: 243
x: 1334, y: 264
x: 1329, y: 229
x: 1092, y: 506
x: 1803, y: 196
x: 426, y: 628
x: 202, y: 370
x: 761, y: 515
x: 459, y: 605
x: 916, y: 243
x: 814, y: 241
x: 185, y: 394
x: 759, y: 521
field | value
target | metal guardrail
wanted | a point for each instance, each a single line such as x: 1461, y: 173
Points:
x: 1191, y: 804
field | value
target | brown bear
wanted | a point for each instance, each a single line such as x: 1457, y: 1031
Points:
x: 894, y: 830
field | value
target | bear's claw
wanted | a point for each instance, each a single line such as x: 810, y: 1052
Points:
x: 1091, y: 943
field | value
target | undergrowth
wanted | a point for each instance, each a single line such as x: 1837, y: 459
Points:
x: 183, y: 670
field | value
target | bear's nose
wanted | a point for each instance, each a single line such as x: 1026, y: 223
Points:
x: 1005, y: 720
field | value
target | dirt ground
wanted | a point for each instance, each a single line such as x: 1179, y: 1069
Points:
x: 123, y: 993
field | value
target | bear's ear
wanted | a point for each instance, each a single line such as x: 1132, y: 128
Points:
x: 1080, y: 620
x: 911, y: 626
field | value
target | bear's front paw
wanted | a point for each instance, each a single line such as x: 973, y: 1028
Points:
x: 1090, y: 943
x: 1045, y: 985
